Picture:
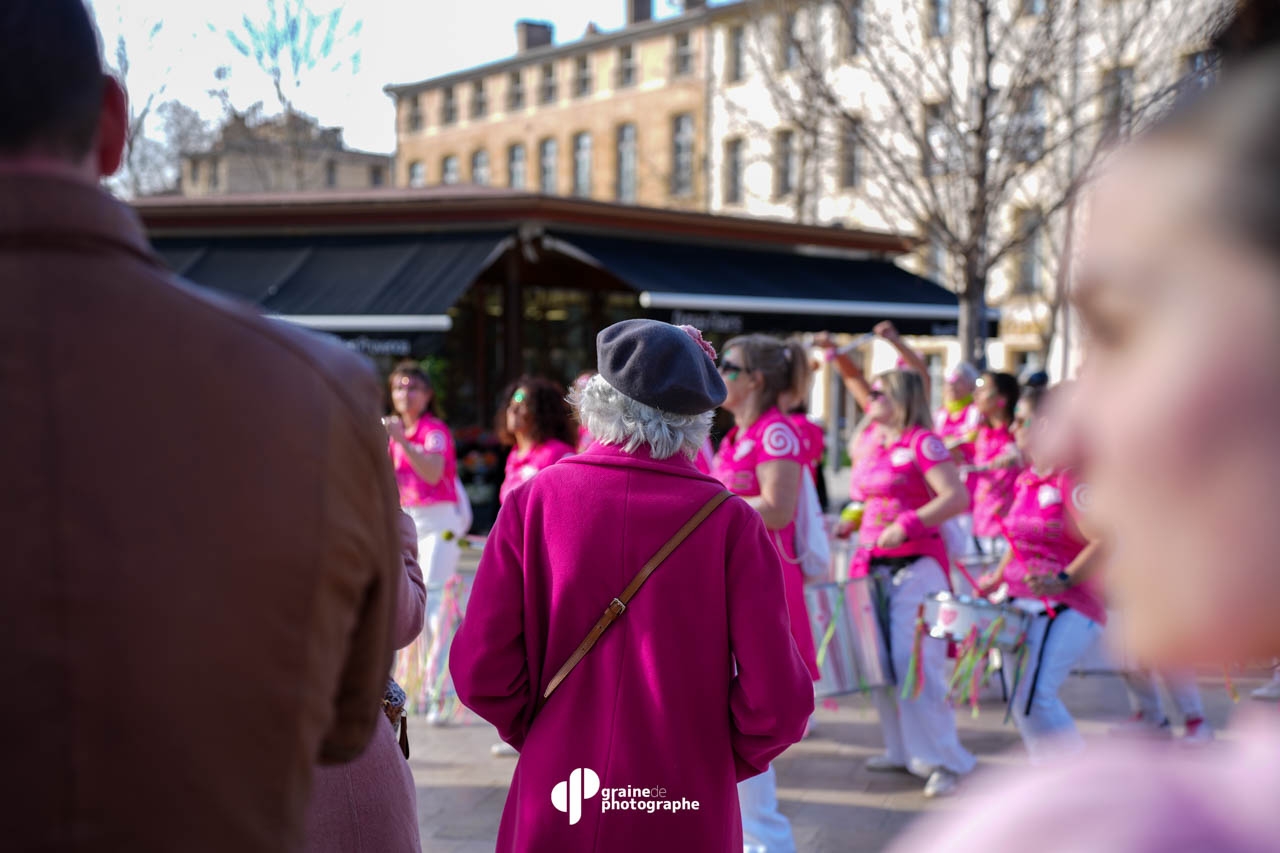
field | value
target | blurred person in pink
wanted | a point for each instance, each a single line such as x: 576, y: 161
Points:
x: 996, y: 463
x: 761, y: 458
x: 200, y: 561
x: 813, y: 439
x: 696, y: 686
x: 1184, y: 244
x: 1049, y: 572
x: 425, y: 463
x: 956, y: 423
x: 538, y: 426
x: 370, y: 805
x: 910, y: 486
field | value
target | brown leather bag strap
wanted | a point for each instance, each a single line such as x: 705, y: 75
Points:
x: 619, y: 604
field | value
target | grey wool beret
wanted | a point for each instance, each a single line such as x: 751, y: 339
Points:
x: 660, y: 365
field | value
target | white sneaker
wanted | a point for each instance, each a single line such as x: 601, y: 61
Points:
x: 502, y: 749
x: 942, y: 783
x: 885, y: 764
x: 1197, y: 731
x: 1269, y: 692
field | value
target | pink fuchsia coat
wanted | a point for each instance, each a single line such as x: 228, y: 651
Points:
x: 657, y: 702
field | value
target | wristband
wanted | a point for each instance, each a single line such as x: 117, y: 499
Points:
x: 1064, y: 578
x: 911, y: 525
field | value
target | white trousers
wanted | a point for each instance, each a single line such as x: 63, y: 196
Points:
x: 438, y: 558
x: 919, y: 733
x: 1144, y: 694
x: 764, y: 829
x: 1049, y: 729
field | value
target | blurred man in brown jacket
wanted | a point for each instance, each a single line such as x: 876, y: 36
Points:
x: 198, y: 551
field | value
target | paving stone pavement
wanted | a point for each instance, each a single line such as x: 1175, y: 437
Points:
x: 832, y: 802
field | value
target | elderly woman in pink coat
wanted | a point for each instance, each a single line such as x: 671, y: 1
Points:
x: 697, y: 684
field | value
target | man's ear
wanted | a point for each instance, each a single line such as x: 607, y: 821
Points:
x: 113, y: 127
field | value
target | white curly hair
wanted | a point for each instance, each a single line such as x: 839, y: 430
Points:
x: 614, y: 418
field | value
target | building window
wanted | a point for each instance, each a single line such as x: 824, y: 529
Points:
x: 417, y: 174
x: 1027, y: 138
x: 449, y: 107
x: 683, y: 55
x: 1033, y: 8
x: 935, y: 261
x: 626, y: 66
x: 480, y: 168
x: 939, y: 23
x: 547, y: 166
x: 330, y: 174
x: 517, y: 170
x: 784, y: 163
x: 1117, y: 102
x: 515, y: 91
x: 851, y: 154
x: 415, y: 115
x: 582, y: 76
x: 733, y: 171
x: 852, y: 26
x: 377, y: 176
x: 682, y: 155
x: 788, y: 47
x: 736, y: 52
x: 214, y: 178
x: 627, y: 159
x: 195, y: 172
x: 582, y: 165
x: 547, y: 90
x: 1199, y: 70
x: 1027, y: 224
x: 479, y: 100
x: 449, y: 173
x: 940, y: 152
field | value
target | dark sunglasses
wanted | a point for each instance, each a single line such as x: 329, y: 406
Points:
x: 730, y: 369
x: 873, y: 394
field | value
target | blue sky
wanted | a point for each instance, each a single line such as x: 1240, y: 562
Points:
x: 401, y: 41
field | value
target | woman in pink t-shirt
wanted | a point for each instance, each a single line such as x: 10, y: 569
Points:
x: 538, y: 423
x: 425, y: 464
x: 910, y: 486
x: 996, y: 463
x: 1049, y: 567
x: 761, y: 458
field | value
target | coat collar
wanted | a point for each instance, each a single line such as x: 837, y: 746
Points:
x: 641, y: 458
x: 57, y: 210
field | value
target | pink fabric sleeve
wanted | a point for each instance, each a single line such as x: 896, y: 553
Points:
x: 487, y: 661
x: 930, y: 451
x: 771, y: 696
x: 437, y: 441
x: 779, y: 441
x: 412, y: 603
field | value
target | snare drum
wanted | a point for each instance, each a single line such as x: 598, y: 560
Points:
x: 852, y: 655
x: 953, y: 617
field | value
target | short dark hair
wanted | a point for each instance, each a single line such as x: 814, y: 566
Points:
x: 1006, y: 388
x: 51, y: 79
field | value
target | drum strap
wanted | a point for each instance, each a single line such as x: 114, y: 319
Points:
x: 1044, y: 644
x: 619, y: 605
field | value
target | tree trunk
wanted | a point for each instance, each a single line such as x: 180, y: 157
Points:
x: 973, y: 316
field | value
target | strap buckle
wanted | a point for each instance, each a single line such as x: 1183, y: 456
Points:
x: 617, y: 608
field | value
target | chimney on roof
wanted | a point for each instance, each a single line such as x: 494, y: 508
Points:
x: 533, y: 34
x: 639, y: 11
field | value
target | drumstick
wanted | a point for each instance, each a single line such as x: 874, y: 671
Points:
x: 1017, y: 555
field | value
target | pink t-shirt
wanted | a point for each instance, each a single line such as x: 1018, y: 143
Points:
x: 893, y: 482
x: 431, y: 434
x: 954, y: 427
x: 992, y: 490
x: 522, y: 466
x: 771, y: 438
x: 812, y: 440
x: 705, y: 458
x: 1041, y: 529
x: 861, y: 460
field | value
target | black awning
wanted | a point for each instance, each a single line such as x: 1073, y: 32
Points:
x: 729, y: 289
x: 348, y: 282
